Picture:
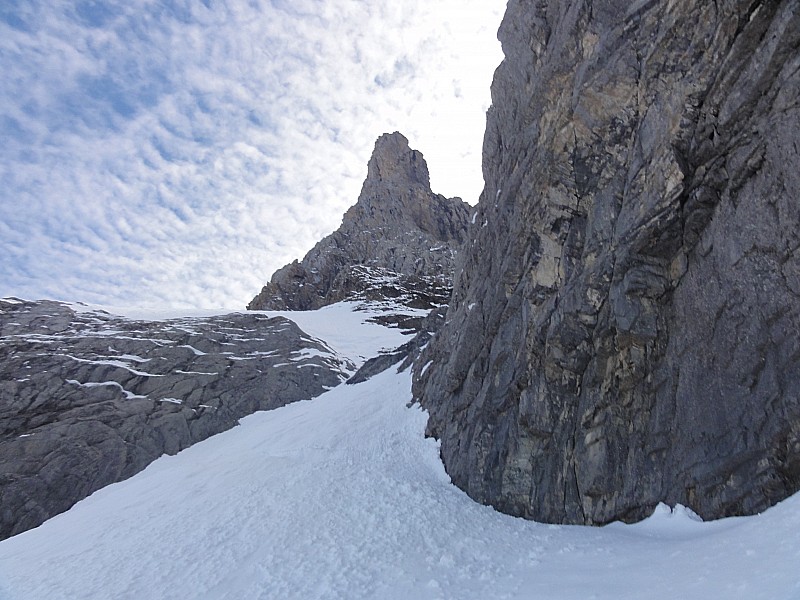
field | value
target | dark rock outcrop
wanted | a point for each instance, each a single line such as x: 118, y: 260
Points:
x: 625, y: 327
x: 398, y: 229
x: 424, y: 328
x: 88, y: 399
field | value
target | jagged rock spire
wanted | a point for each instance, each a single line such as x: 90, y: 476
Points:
x: 393, y: 162
x: 398, y: 226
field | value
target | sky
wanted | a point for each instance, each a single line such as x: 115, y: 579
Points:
x: 176, y: 153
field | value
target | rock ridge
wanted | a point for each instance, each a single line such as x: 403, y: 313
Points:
x: 88, y: 399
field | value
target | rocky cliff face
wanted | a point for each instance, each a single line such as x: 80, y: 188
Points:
x: 399, y: 232
x: 88, y: 399
x: 625, y: 327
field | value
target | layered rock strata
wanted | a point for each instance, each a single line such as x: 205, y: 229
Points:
x: 88, y: 399
x: 625, y: 327
x: 398, y: 229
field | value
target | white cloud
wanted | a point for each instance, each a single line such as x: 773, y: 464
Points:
x: 170, y: 153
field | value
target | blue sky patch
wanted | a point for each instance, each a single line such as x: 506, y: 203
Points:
x: 96, y: 13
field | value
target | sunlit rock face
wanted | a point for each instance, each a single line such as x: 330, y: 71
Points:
x: 399, y: 229
x: 624, y: 329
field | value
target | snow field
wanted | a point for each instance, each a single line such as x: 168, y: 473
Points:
x: 343, y: 497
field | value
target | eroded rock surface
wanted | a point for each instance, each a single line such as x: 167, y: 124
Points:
x: 88, y: 399
x: 398, y: 229
x: 625, y: 327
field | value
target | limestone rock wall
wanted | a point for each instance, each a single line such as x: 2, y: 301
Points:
x: 624, y: 329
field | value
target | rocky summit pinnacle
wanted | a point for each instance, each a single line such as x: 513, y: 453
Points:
x: 624, y: 326
x: 399, y: 238
x: 393, y: 162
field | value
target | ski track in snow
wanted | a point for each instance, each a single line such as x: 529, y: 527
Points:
x: 342, y: 497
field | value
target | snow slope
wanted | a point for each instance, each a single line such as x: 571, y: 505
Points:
x: 346, y: 329
x: 343, y: 497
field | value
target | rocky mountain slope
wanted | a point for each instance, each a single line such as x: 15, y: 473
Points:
x: 342, y: 498
x: 88, y: 399
x: 399, y: 235
x: 625, y: 327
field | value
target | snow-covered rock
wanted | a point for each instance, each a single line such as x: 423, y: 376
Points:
x: 88, y: 398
